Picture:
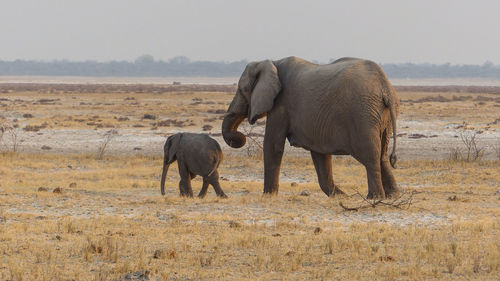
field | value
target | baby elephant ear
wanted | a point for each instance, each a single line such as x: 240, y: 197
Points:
x: 172, y: 147
x: 265, y: 91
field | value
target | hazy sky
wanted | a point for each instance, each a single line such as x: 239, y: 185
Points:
x: 386, y: 31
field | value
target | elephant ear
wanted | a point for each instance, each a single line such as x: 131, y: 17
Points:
x: 173, y: 145
x: 267, y: 86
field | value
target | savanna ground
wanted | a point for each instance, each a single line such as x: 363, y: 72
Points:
x: 80, y: 200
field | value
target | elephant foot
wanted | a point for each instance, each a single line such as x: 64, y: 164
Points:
x: 375, y: 196
x: 392, y: 193
x: 270, y: 193
x: 337, y: 190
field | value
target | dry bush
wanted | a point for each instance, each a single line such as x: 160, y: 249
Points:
x: 207, y: 127
x: 255, y: 145
x: 174, y: 123
x: 10, y: 132
x: 471, y: 152
x: 108, y: 136
x: 496, y: 148
x: 149, y: 116
x: 35, y: 128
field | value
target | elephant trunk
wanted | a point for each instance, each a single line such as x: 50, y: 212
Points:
x: 164, y: 175
x: 230, y: 125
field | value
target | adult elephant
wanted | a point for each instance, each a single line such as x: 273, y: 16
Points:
x: 347, y: 107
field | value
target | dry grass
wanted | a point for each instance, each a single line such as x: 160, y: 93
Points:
x: 104, y: 110
x: 113, y: 221
x: 109, y: 218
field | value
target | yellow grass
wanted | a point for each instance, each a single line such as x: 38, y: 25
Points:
x: 110, y: 219
x: 114, y: 221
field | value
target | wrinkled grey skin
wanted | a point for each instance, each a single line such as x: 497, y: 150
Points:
x: 347, y: 107
x: 196, y: 154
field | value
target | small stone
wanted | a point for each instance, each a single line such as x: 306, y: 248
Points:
x: 172, y: 254
x: 385, y: 258
x: 293, y: 184
x: 318, y: 230
x: 305, y: 193
x: 42, y: 189
x: 276, y: 235
x: 158, y: 254
x: 137, y: 148
x: 207, y: 127
x: 72, y: 185
x: 57, y: 190
x: 139, y: 275
x: 58, y: 237
x: 149, y: 116
x: 233, y: 224
x: 46, y: 147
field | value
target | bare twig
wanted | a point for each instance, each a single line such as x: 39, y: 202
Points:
x: 497, y: 150
x: 473, y: 151
x: 255, y: 144
x: 8, y: 129
x: 400, y: 202
x: 108, y: 136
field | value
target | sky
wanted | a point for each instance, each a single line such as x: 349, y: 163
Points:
x: 385, y: 31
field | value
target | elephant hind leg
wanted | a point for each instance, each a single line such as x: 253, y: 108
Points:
x: 204, y: 188
x: 388, y: 181
x: 368, y: 152
x: 213, y: 179
x: 323, y: 166
x: 375, y: 188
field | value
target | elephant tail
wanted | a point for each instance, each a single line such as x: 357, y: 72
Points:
x: 216, y: 162
x: 389, y: 102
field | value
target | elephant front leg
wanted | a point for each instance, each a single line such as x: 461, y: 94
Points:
x: 273, y: 153
x: 185, y: 182
x: 323, y: 166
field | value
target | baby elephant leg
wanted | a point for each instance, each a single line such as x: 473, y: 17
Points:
x: 204, y: 188
x: 185, y: 183
x: 213, y: 179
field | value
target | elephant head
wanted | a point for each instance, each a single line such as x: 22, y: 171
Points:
x: 170, y: 155
x: 258, y: 87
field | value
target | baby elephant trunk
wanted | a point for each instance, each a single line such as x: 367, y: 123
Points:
x: 164, y: 175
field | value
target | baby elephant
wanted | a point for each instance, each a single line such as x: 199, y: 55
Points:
x: 196, y: 154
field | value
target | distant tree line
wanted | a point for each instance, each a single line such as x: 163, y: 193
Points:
x: 147, y: 66
x: 410, y: 70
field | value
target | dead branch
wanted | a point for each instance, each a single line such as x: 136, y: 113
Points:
x: 402, y: 202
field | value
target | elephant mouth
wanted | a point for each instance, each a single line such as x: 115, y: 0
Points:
x: 230, y: 133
